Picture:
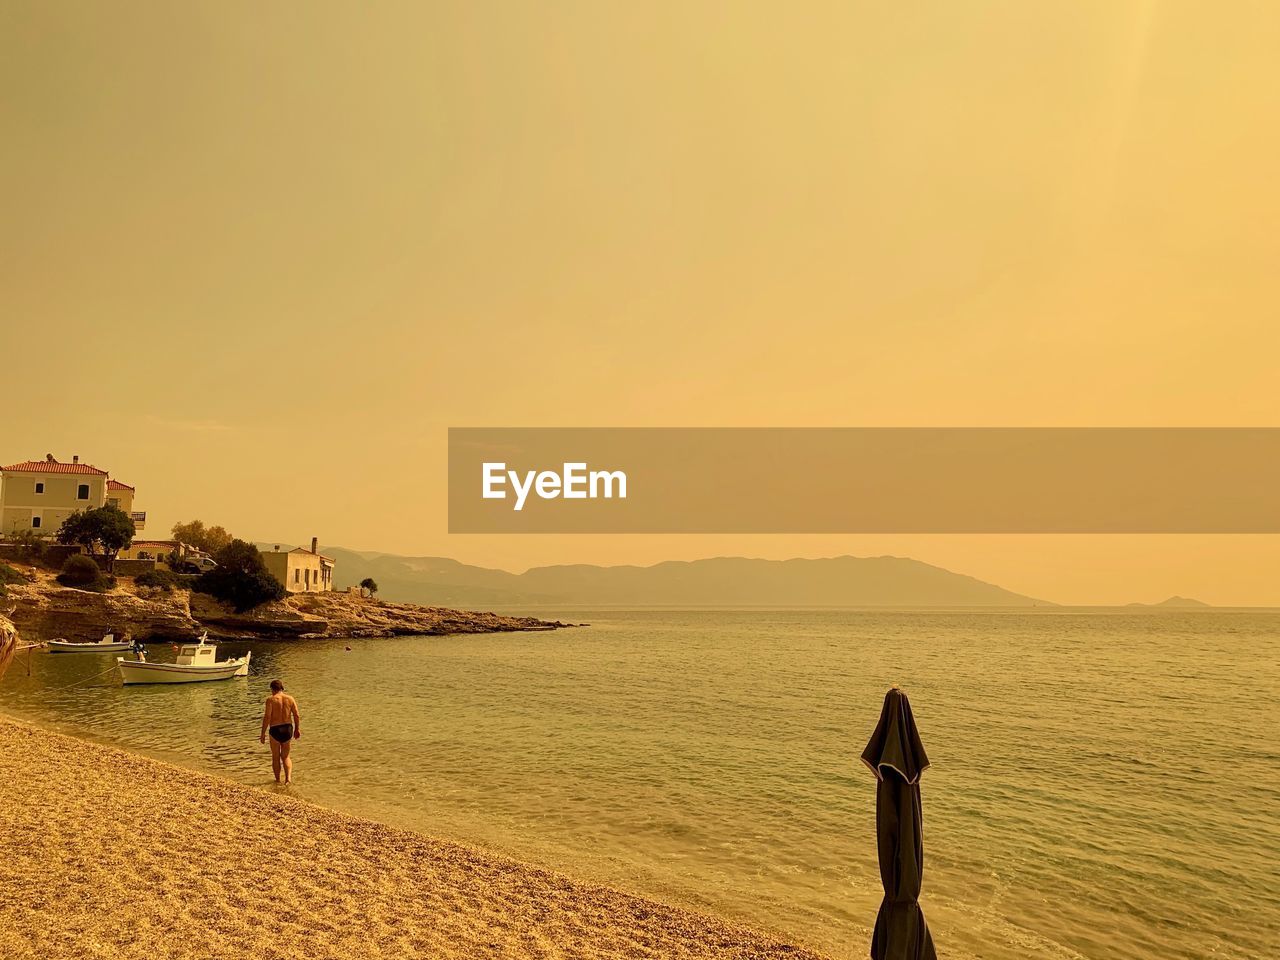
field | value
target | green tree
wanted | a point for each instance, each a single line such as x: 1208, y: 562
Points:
x: 208, y: 539
x: 75, y: 530
x: 105, y: 529
x: 240, y: 578
x: 369, y: 585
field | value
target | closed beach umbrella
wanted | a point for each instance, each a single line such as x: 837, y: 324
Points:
x: 897, y: 758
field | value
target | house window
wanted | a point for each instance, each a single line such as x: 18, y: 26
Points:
x: 114, y: 502
x: 39, y: 487
x: 82, y: 492
x: 297, y: 576
x: 35, y: 523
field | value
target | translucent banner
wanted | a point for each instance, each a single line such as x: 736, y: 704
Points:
x: 864, y: 480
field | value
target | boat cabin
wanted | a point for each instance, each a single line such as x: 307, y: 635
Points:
x: 196, y: 655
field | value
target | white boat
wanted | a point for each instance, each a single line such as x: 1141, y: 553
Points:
x: 108, y: 644
x: 196, y: 661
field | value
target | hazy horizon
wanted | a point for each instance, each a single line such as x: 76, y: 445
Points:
x: 517, y: 571
x: 257, y: 263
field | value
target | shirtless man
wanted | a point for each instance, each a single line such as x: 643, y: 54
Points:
x: 282, y: 722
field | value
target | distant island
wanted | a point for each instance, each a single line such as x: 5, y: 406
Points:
x: 1174, y: 602
x: 722, y: 581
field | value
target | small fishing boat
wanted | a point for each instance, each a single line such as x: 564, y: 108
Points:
x: 196, y: 661
x: 108, y: 644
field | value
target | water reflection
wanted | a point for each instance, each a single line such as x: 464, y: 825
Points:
x: 710, y: 758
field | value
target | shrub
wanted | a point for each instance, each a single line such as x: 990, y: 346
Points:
x: 82, y: 573
x: 78, y: 570
x: 9, y: 575
x: 158, y: 579
x: 30, y: 545
x: 241, y: 578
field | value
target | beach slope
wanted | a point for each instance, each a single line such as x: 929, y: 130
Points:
x: 104, y: 854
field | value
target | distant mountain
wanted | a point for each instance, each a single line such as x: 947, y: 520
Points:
x: 722, y: 581
x: 1174, y: 602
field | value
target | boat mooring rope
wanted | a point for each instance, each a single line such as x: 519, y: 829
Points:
x: 83, y: 679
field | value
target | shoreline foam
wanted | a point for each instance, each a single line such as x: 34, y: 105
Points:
x: 105, y: 853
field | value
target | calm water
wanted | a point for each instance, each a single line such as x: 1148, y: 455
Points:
x: 1104, y: 785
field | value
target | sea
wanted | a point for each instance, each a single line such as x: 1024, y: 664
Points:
x: 1105, y: 784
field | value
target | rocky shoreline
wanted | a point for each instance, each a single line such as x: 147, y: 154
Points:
x: 44, y: 609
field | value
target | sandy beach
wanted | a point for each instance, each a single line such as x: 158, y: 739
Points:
x: 106, y: 854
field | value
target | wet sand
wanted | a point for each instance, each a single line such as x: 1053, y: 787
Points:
x: 104, y: 854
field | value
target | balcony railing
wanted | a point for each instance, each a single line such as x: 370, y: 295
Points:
x: 139, y: 518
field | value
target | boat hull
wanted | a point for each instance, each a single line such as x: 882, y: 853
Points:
x: 132, y: 671
x: 67, y: 646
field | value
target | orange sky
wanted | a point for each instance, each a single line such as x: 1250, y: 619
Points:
x: 257, y: 258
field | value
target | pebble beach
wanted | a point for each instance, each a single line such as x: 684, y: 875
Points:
x: 106, y: 854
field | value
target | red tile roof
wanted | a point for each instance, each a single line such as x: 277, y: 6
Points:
x: 117, y: 485
x: 46, y: 466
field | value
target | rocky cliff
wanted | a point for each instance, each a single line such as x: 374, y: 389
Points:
x: 43, y: 609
